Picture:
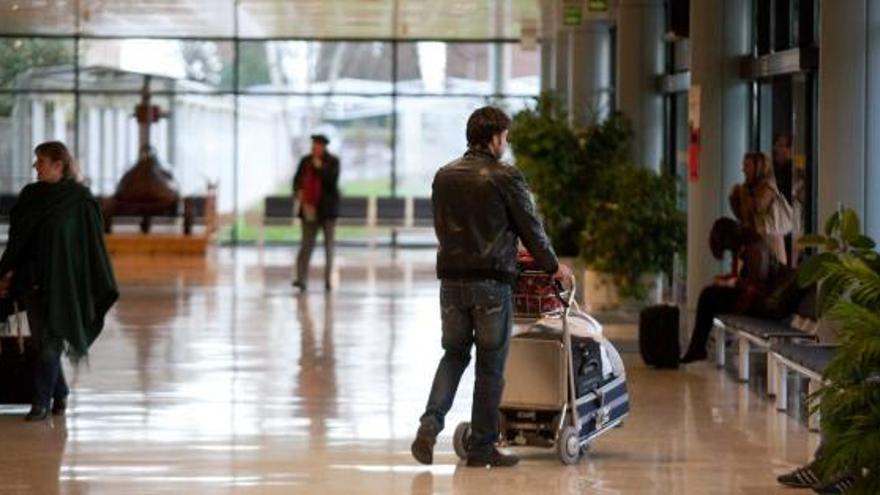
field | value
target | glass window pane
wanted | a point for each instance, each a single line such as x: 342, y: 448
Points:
x: 158, y: 18
x: 36, y: 63
x: 522, y: 76
x: 479, y: 19
x: 430, y: 133
x: 28, y: 119
x: 194, y: 142
x: 316, y: 18
x: 174, y: 65
x: 274, y: 135
x: 316, y: 67
x: 21, y: 17
x: 434, y: 67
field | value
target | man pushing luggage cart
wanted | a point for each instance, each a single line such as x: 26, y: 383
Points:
x: 565, y: 383
x: 482, y: 209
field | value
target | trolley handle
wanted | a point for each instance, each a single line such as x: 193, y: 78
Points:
x: 559, y: 289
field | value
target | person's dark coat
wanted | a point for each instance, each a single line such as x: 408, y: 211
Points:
x: 328, y: 205
x: 56, y: 247
x: 482, y: 207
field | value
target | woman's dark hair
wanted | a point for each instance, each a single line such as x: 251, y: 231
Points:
x: 57, y: 152
x: 726, y: 235
x: 485, y: 123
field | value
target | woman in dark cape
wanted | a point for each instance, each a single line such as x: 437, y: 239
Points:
x: 57, y: 268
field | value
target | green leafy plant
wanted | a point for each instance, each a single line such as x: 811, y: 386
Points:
x: 566, y: 165
x: 619, y: 219
x: 848, y: 275
x: 550, y: 155
x: 637, y: 231
x: 842, y: 245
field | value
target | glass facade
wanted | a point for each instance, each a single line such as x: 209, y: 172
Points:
x: 238, y: 112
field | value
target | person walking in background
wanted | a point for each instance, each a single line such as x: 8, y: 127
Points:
x: 316, y: 191
x: 758, y: 204
x: 56, y: 265
x: 482, y: 207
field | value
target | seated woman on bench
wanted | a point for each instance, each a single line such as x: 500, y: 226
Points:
x: 751, y: 280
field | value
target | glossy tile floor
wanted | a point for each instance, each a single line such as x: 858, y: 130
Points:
x: 213, y: 377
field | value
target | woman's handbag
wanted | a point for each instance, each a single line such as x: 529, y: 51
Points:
x: 18, y: 358
x: 779, y: 219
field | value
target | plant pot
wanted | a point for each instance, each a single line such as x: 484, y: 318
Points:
x: 600, y: 293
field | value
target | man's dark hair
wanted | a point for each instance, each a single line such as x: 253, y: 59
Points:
x: 782, y: 139
x: 485, y: 123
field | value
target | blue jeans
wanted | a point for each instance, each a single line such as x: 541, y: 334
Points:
x: 472, y: 312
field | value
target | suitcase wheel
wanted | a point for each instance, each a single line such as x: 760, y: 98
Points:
x: 460, y: 439
x: 568, y: 446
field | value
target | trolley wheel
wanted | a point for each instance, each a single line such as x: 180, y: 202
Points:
x: 568, y: 446
x: 585, y: 448
x: 460, y: 439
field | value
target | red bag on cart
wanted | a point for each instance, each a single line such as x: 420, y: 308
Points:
x: 535, y: 294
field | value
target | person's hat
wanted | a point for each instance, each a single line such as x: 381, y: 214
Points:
x: 321, y: 139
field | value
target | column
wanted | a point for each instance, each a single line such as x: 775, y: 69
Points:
x: 109, y: 142
x: 719, y: 40
x: 589, y: 72
x: 93, y: 148
x: 38, y: 121
x: 842, y: 108
x: 872, y: 193
x: 500, y: 53
x: 549, y: 34
x: 59, y: 122
x: 639, y: 62
x: 121, y: 160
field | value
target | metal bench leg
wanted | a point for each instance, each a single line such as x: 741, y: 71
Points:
x: 720, y: 353
x: 743, y: 359
x: 781, y: 386
x: 771, y: 374
x: 813, y: 420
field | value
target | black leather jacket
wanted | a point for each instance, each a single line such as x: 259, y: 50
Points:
x: 481, y: 207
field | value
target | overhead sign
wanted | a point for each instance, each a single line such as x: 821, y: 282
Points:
x: 572, y: 13
x: 597, y: 5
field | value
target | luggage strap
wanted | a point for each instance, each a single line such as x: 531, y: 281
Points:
x: 602, y: 416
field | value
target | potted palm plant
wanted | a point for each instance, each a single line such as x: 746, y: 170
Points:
x: 848, y: 274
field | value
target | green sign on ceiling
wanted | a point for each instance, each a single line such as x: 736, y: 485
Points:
x: 572, y: 14
x: 597, y: 5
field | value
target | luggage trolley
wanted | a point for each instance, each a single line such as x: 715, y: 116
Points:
x: 547, y: 402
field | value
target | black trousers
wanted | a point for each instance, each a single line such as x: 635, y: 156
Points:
x: 713, y: 300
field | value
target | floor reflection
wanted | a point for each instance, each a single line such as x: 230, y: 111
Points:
x: 216, y: 377
x: 316, y: 379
